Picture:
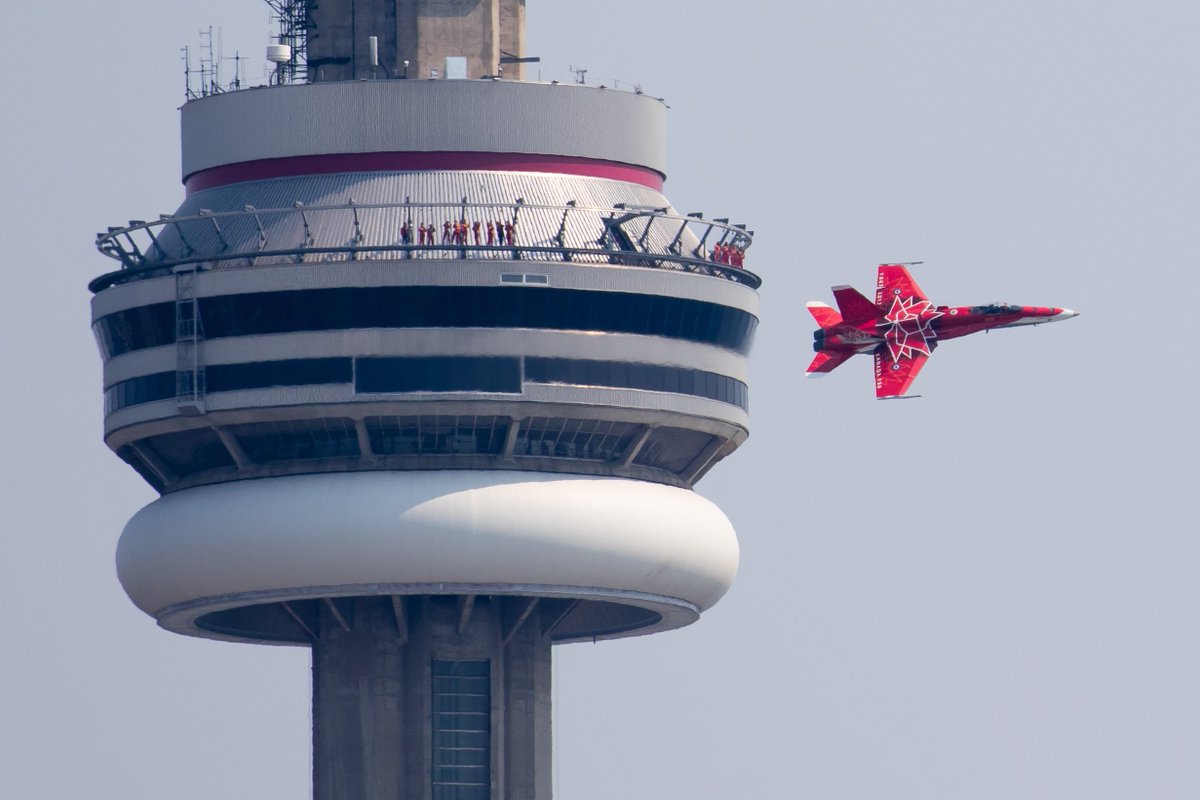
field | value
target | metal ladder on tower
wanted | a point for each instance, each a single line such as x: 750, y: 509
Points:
x: 189, y: 333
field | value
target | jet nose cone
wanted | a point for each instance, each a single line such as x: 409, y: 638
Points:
x: 1064, y: 313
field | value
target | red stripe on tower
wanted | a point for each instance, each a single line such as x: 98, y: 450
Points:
x: 340, y: 163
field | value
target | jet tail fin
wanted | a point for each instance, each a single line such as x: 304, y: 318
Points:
x: 826, y: 363
x: 856, y: 309
x: 825, y: 316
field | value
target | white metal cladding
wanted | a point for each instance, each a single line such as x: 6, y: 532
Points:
x: 423, y: 116
x: 202, y: 549
x: 540, y: 218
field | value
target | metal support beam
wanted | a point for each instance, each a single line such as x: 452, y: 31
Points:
x: 359, y: 238
x: 364, y: 441
x: 466, y: 603
x: 236, y: 452
x: 699, y: 252
x: 554, y: 612
x: 400, y: 610
x: 187, y: 246
x: 530, y: 605
x: 702, y: 462
x: 510, y: 439
x: 216, y: 229
x: 156, y: 464
x: 637, y: 445
x: 516, y: 253
x: 642, y: 239
x: 262, y: 233
x: 673, y: 247
x: 287, y: 609
x: 337, y: 614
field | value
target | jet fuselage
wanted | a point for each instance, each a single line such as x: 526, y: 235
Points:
x: 901, y: 328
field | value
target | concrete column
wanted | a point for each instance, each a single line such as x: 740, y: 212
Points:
x: 528, y: 770
x: 422, y: 32
x: 512, y: 36
x: 372, y: 695
x: 359, y: 719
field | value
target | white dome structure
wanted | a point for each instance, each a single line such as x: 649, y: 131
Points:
x: 641, y: 557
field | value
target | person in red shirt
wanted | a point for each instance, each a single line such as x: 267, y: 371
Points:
x: 421, y: 234
x: 475, y: 230
x: 508, y: 233
x: 491, y: 232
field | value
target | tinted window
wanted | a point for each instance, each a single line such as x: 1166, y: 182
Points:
x: 672, y: 449
x: 438, y: 375
x: 293, y: 372
x: 143, y: 389
x: 437, y: 435
x: 435, y: 307
x: 135, y: 329
x: 594, y: 440
x: 652, y: 377
x: 290, y: 440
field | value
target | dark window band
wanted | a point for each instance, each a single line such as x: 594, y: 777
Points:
x: 650, y: 377
x: 438, y: 375
x: 292, y: 372
x: 143, y: 389
x: 231, y: 377
x: 540, y: 308
x: 135, y: 329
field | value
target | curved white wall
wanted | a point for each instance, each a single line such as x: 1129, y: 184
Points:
x: 424, y: 116
x: 368, y: 533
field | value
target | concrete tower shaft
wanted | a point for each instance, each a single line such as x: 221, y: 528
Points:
x: 422, y: 32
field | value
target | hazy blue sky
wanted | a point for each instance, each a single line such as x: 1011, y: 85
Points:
x: 991, y: 592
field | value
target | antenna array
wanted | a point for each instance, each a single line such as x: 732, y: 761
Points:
x: 292, y: 19
x: 205, y: 79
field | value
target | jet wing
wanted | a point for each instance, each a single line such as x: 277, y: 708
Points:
x: 826, y: 363
x: 892, y: 378
x: 895, y: 282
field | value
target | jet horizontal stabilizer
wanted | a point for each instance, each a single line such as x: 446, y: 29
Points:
x: 825, y: 363
x: 856, y: 309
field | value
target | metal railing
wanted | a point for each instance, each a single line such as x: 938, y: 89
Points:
x: 623, y: 234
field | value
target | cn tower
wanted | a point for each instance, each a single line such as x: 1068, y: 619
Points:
x: 424, y: 367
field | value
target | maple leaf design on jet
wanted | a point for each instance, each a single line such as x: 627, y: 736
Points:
x: 910, y: 327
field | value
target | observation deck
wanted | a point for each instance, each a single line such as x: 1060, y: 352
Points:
x: 620, y: 234
x: 431, y: 283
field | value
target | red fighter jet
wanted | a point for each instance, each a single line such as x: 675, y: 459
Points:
x: 901, y: 328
